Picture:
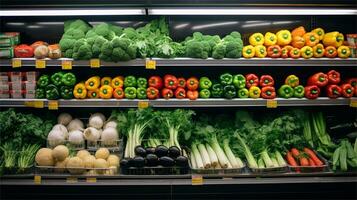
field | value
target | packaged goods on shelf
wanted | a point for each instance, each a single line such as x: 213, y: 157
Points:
x: 21, y: 84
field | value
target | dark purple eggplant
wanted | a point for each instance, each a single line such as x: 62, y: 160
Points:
x: 152, y: 160
x: 174, y: 152
x: 150, y: 150
x: 161, y: 151
x: 166, y: 161
x: 138, y: 161
x: 181, y: 161
x: 140, y: 151
x: 124, y: 162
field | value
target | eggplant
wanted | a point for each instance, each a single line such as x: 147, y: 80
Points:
x: 124, y: 162
x: 181, y: 161
x: 150, y: 150
x: 174, y: 152
x: 140, y: 151
x: 161, y: 151
x: 138, y: 161
x: 152, y: 160
x: 166, y: 161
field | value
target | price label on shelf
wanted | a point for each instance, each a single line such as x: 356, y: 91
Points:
x: 40, y: 64
x: 91, y: 180
x: 197, y: 180
x: 53, y: 105
x: 66, y: 64
x: 94, y: 63
x: 71, y: 180
x: 37, y: 179
x: 16, y: 63
x: 353, y: 103
x: 143, y: 104
x: 271, y: 103
x: 29, y: 104
x: 38, y: 104
x: 150, y: 64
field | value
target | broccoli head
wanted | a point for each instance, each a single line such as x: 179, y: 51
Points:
x: 116, y: 29
x: 76, y: 24
x: 68, y: 53
x: 195, y: 49
x: 219, y: 51
x: 124, y: 49
x: 234, y: 49
x: 82, y: 50
x: 66, y: 44
x: 97, y: 45
x: 104, y: 30
x: 107, y: 48
x: 74, y: 34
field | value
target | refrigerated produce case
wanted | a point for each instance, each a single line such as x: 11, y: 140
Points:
x: 43, y: 20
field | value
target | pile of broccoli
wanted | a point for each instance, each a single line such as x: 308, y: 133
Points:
x: 109, y: 42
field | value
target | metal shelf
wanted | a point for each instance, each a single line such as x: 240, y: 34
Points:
x: 185, y: 62
x: 172, y: 103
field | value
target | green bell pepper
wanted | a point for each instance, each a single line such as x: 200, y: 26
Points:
x: 243, y: 93
x: 40, y: 93
x: 299, y: 91
x: 141, y: 93
x: 52, y: 92
x: 217, y: 90
x: 226, y: 79
x: 69, y: 79
x: 229, y: 91
x: 286, y: 91
x: 66, y: 92
x: 130, y: 81
x: 56, y: 78
x: 130, y: 92
x: 142, y: 82
x: 205, y: 83
x: 239, y: 81
x: 205, y: 94
x: 43, y: 81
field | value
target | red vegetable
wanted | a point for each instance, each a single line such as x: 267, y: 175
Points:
x: 180, y: 93
x: 319, y: 79
x: 347, y: 90
x: 181, y: 82
x: 291, y: 160
x: 333, y: 91
x: 311, y: 162
x: 333, y: 77
x: 170, y: 82
x: 274, y: 51
x: 304, y: 161
x: 313, y: 156
x: 266, y: 80
x: 192, y: 95
x: 251, y: 80
x: 295, y: 152
x: 312, y: 92
x: 192, y: 83
x: 23, y: 51
x: 152, y: 93
x: 268, y: 92
x: 353, y: 82
x: 167, y: 93
x: 156, y: 82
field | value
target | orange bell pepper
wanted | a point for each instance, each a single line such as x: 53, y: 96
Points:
x: 294, y: 53
x: 311, y: 39
x: 299, y: 31
x: 330, y: 52
x: 298, y: 42
x: 285, y: 51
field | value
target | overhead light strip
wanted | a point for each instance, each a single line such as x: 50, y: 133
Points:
x: 251, y: 11
x: 71, y: 12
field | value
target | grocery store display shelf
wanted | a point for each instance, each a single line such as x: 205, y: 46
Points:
x: 182, y: 62
x: 163, y: 103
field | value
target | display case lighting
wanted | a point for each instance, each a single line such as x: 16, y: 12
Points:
x: 70, y: 12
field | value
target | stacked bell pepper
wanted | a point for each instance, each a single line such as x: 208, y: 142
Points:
x: 297, y: 43
x: 58, y: 85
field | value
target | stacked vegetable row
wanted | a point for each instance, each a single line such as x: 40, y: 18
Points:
x: 229, y: 86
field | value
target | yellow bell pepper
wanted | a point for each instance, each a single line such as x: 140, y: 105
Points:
x: 260, y: 51
x: 117, y: 82
x: 343, y: 51
x: 270, y: 39
x: 320, y: 32
x: 80, y: 91
x: 319, y: 50
x: 106, y: 80
x: 93, y: 94
x: 248, y: 51
x: 92, y: 83
x: 256, y: 39
x: 333, y: 39
x: 284, y: 37
x: 254, y: 92
x: 105, y: 92
x: 306, y: 52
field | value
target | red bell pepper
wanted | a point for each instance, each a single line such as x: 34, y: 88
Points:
x: 180, y: 93
x: 23, y: 51
x: 333, y: 77
x: 353, y: 82
x: 152, y: 93
x: 266, y: 80
x: 181, y: 82
x: 312, y: 92
x: 274, y: 51
x: 285, y: 51
x: 167, y: 93
x: 330, y: 52
x: 333, y: 91
x: 347, y: 90
x: 192, y: 95
x: 268, y: 92
x: 156, y: 82
x: 319, y: 79
x: 251, y: 80
x: 170, y: 82
x: 192, y: 83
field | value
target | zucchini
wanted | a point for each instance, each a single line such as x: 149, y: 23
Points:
x: 343, y: 158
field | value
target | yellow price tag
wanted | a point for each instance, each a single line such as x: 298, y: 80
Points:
x: 38, y: 104
x: 71, y: 180
x: 150, y: 64
x: 40, y: 64
x: 197, y: 180
x: 66, y: 64
x: 53, y: 105
x: 29, y: 104
x: 94, y: 63
x: 143, y: 104
x: 271, y: 103
x: 91, y: 180
x: 37, y: 179
x: 16, y: 63
x: 353, y: 103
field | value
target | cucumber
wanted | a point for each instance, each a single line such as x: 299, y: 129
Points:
x: 343, y: 158
x: 336, y: 156
x: 350, y: 151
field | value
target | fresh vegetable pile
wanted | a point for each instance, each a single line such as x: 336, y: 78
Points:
x: 306, y: 158
x: 58, y: 85
x: 345, y: 156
